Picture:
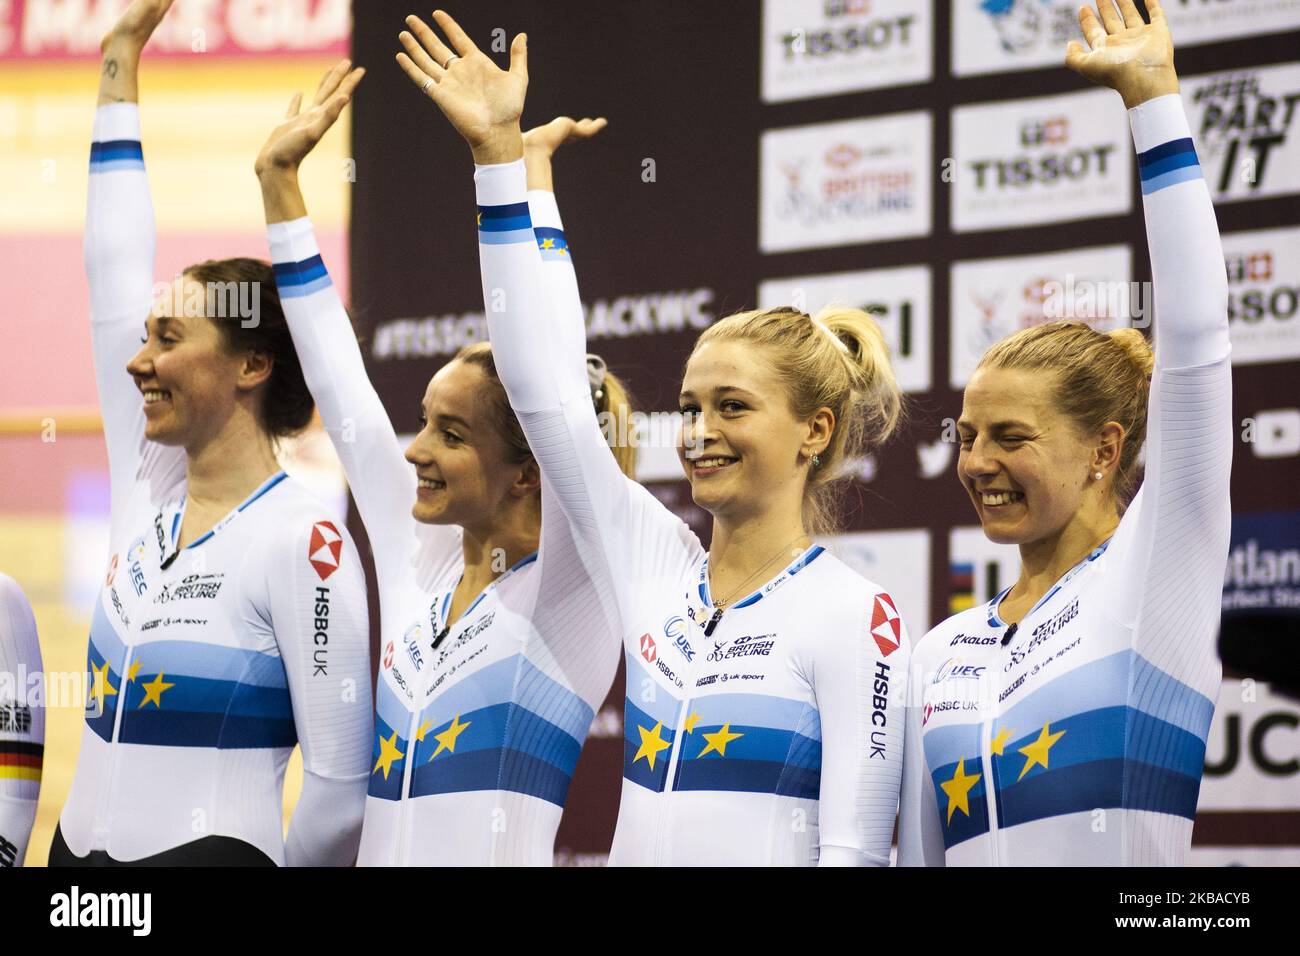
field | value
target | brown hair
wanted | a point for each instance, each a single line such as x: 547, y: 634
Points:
x: 287, y: 404
x: 614, y: 402
x: 837, y: 359
x: 1100, y: 377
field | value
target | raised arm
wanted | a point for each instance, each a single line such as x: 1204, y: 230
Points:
x: 1172, y: 542
x: 381, y: 480
x: 540, y: 144
x: 119, y: 247
x: 548, y: 390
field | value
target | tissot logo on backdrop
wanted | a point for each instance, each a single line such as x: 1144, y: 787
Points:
x: 992, y: 298
x: 1047, y: 159
x: 624, y: 316
x: 1263, y: 294
x: 898, y: 299
x: 1244, y: 126
x: 831, y: 184
x: 821, y: 47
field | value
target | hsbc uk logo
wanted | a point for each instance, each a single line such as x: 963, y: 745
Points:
x: 324, y: 549
x: 886, y: 625
x: 648, y: 649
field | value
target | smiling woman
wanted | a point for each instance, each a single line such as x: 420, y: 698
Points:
x: 263, y: 644
x: 764, y: 677
x: 1083, y: 694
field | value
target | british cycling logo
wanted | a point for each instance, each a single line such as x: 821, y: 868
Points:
x: 324, y: 549
x: 751, y: 645
x: 192, y: 587
x: 886, y: 627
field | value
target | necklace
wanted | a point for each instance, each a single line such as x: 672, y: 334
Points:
x: 721, y: 604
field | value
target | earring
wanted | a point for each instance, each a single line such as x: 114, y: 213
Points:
x: 816, y: 459
x: 1097, y: 475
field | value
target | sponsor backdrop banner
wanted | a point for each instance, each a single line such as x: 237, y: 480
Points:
x: 931, y: 162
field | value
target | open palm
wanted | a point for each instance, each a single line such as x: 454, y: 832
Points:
x: 1123, y: 52
x: 302, y: 129
x: 477, y: 96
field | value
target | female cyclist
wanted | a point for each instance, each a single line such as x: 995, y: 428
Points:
x: 762, y: 723
x: 496, y: 650
x: 232, y: 621
x: 1064, y: 722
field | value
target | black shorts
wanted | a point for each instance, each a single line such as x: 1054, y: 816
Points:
x: 208, y: 851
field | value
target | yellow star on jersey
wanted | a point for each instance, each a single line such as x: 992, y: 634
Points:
x: 958, y: 790
x: 651, y: 744
x: 718, y: 741
x: 135, y: 669
x: 478, y: 220
x: 689, y: 723
x: 447, y: 739
x: 153, y: 690
x: 101, y: 687
x: 388, y: 754
x: 423, y: 729
x: 548, y: 243
x: 1000, y: 741
x: 1036, y: 753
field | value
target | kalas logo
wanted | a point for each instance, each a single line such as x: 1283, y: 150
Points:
x: 324, y: 549
x: 648, y: 649
x: 886, y: 627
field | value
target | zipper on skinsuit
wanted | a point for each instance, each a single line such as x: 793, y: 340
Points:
x: 403, y: 847
x: 675, y: 756
x: 100, y: 834
x: 991, y: 785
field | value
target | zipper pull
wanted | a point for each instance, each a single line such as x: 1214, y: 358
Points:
x: 1011, y: 632
x: 442, y: 635
x: 713, y: 623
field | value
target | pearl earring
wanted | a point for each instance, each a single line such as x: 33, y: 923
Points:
x: 1097, y: 475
